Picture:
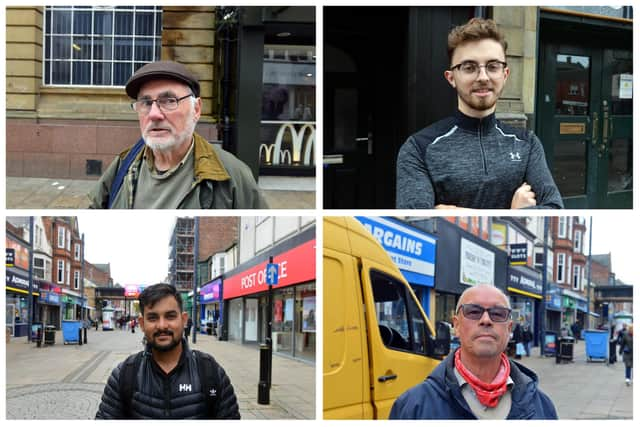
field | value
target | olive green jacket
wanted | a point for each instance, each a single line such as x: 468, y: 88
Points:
x: 221, y: 181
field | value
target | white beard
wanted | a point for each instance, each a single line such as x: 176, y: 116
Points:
x: 173, y: 141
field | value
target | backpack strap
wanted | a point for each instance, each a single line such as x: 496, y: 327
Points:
x: 127, y: 382
x: 122, y: 171
x: 210, y: 381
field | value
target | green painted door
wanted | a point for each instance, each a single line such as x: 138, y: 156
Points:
x: 585, y: 123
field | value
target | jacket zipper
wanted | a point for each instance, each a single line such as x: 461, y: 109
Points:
x: 484, y: 160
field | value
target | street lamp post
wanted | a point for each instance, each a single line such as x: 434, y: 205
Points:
x: 30, y: 296
x: 588, y: 325
x: 543, y: 307
x: 196, y: 247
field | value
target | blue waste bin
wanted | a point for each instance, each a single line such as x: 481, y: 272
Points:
x: 70, y: 330
x: 596, y: 344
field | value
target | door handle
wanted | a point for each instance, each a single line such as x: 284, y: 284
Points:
x: 369, y: 140
x: 385, y: 378
x: 605, y: 129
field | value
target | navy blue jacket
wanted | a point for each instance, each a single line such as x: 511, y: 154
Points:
x: 440, y: 397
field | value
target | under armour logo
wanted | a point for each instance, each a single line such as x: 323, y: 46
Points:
x: 213, y: 392
x: 515, y: 157
x: 185, y: 387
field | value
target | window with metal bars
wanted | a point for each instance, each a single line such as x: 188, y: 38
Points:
x: 99, y: 45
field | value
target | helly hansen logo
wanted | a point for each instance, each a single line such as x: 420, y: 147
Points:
x: 184, y: 387
x: 213, y: 392
x: 515, y: 157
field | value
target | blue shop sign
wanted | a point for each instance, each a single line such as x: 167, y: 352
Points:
x: 554, y: 297
x: 581, y: 305
x: 50, y: 298
x: 211, y: 292
x: 413, y: 251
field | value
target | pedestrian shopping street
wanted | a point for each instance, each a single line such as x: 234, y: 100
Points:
x: 66, y: 381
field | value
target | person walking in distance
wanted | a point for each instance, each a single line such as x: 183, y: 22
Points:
x: 626, y: 351
x: 187, y: 329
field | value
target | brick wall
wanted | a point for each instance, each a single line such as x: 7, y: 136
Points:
x: 216, y: 235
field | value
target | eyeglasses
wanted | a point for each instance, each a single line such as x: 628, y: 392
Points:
x: 472, y: 68
x: 165, y: 103
x: 475, y: 312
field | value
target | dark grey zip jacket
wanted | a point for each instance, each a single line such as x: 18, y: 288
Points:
x: 472, y: 163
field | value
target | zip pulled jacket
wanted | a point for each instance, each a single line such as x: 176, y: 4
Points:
x: 176, y: 395
x: 472, y: 163
x: 440, y: 397
x: 220, y: 181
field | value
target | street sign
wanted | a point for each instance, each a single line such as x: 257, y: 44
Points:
x: 272, y: 273
x: 10, y: 257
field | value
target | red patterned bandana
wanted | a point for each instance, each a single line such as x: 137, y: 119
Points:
x: 487, y: 393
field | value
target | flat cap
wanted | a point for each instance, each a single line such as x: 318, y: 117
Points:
x: 162, y: 70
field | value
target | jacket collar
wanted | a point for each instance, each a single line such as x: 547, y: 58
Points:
x: 473, y: 124
x: 207, y: 164
x: 525, y: 382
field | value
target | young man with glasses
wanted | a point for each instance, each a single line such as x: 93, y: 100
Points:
x: 172, y: 167
x: 472, y: 160
x: 477, y: 381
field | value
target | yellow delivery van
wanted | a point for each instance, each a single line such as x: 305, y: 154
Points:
x: 377, y: 341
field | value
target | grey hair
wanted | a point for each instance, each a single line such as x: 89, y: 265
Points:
x: 506, y: 298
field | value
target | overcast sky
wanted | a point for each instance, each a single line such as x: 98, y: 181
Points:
x: 616, y: 233
x: 136, y: 244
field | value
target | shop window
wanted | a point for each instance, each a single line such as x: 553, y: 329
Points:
x: 99, y: 45
x: 288, y: 126
x: 400, y: 322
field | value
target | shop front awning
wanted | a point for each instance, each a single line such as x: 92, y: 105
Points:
x: 594, y: 314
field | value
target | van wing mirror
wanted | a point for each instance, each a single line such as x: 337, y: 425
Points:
x: 443, y: 339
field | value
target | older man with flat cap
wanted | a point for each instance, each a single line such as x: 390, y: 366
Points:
x: 171, y: 166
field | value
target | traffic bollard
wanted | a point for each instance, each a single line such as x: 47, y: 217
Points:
x: 85, y: 335
x: 264, y: 385
x: 80, y: 336
x: 39, y: 338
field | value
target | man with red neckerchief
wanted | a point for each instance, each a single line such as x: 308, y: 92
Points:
x: 478, y: 381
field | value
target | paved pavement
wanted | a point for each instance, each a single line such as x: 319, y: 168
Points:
x: 581, y: 389
x: 66, y: 381
x: 50, y: 193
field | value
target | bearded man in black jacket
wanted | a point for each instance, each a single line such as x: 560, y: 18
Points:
x: 167, y: 380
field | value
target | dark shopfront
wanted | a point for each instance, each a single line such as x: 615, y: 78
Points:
x: 246, y: 305
x: 553, y: 320
x: 462, y: 260
x: 17, y: 303
x: 525, y: 294
x: 211, y: 307
x: 584, y: 104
